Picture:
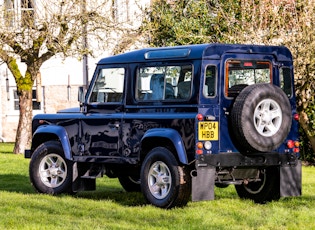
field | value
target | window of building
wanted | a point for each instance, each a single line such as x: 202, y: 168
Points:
x: 19, y: 12
x: 27, y: 12
x: 9, y: 13
x: 121, y: 11
x: 36, y: 105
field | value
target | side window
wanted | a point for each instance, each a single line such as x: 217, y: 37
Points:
x: 285, y: 81
x: 164, y: 83
x: 240, y: 74
x: 108, y: 86
x: 209, y: 88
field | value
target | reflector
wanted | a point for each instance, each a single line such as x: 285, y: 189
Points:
x: 199, y: 117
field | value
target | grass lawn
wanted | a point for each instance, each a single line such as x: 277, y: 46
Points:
x: 109, y: 207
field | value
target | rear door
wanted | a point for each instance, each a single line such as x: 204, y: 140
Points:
x: 237, y: 72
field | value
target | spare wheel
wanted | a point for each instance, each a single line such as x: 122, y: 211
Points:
x: 261, y: 118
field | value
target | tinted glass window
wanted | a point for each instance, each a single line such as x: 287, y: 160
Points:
x: 157, y: 83
x: 285, y: 81
x: 108, y: 86
x: 209, y: 88
x: 240, y: 74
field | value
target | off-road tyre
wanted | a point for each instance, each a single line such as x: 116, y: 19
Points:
x: 49, y: 171
x: 130, y: 183
x: 164, y: 183
x: 263, y: 191
x: 261, y: 118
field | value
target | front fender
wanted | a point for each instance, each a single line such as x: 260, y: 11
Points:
x: 173, y: 136
x: 46, y: 132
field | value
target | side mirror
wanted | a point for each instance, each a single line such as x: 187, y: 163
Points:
x: 81, y: 95
x: 81, y: 98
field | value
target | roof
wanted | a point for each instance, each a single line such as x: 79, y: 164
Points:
x: 200, y: 51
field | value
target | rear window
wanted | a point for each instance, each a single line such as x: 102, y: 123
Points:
x: 241, y: 73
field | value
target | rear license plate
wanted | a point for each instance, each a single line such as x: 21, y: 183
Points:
x: 208, y: 131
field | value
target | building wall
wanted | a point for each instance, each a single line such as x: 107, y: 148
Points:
x: 60, y: 82
x: 56, y: 97
x: 59, y: 78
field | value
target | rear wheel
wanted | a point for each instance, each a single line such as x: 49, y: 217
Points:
x: 49, y: 171
x: 130, y: 183
x: 164, y: 183
x: 267, y: 189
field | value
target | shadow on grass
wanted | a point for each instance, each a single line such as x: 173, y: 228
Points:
x: 6, y: 148
x: 299, y: 201
x: 114, y: 194
x: 21, y: 184
x: 15, y: 183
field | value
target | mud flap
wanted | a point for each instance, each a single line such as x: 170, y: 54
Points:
x: 291, y: 180
x: 203, y: 180
x: 81, y: 184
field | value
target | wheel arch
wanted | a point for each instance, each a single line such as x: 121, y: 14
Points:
x: 166, y: 137
x: 52, y: 132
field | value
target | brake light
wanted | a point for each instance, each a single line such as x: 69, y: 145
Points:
x: 248, y: 64
x: 199, y: 151
x: 290, y: 144
x: 199, y: 117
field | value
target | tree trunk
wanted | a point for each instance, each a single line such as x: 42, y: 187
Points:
x: 304, y: 124
x: 24, y: 130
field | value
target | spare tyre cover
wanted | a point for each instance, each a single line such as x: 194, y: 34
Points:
x: 261, y: 118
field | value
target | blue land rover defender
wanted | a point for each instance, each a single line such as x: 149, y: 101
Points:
x: 175, y: 122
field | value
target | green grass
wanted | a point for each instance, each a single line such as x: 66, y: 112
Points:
x: 109, y: 207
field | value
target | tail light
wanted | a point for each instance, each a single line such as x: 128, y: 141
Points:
x: 199, y: 150
x: 199, y: 117
x: 293, y: 145
x: 290, y: 144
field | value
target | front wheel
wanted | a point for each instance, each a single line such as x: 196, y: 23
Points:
x: 164, y: 183
x: 264, y: 190
x: 49, y: 171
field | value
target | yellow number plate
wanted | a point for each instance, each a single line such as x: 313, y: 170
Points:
x: 208, y: 131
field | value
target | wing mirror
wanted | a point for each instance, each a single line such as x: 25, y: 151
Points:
x: 81, y: 94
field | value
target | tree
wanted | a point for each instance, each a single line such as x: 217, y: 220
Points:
x: 33, y: 36
x: 182, y: 22
x: 290, y: 23
x: 277, y: 22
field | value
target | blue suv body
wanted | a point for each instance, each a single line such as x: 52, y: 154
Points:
x: 173, y: 122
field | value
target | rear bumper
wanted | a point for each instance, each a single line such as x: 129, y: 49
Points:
x: 253, y: 160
